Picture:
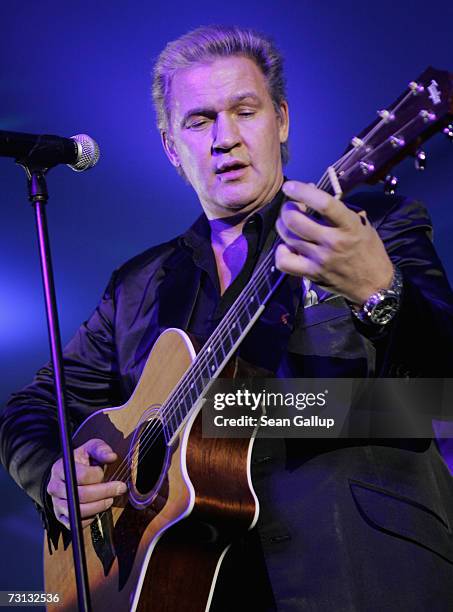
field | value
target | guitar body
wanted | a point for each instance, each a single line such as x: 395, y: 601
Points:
x: 160, y: 546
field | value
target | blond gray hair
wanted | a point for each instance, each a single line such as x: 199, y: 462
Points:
x: 207, y: 43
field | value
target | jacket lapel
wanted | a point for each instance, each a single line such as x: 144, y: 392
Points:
x: 177, y: 293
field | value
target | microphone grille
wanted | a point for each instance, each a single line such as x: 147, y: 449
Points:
x: 88, y: 153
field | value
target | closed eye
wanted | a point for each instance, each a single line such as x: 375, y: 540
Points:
x: 197, y: 124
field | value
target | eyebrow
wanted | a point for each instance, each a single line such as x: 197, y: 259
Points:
x: 233, y: 101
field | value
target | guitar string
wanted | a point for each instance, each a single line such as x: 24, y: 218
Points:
x: 179, y: 391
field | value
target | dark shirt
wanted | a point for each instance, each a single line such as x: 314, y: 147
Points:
x: 210, y: 306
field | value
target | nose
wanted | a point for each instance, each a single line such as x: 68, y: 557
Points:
x: 226, y: 133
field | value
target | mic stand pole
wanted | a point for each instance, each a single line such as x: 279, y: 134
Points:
x: 38, y: 196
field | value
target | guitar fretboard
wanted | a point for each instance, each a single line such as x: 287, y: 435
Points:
x: 222, y: 343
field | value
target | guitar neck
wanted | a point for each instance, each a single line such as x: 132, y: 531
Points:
x: 222, y: 343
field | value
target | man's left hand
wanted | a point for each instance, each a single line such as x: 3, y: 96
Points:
x: 345, y: 256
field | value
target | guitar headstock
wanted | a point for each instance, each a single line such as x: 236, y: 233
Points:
x: 424, y: 109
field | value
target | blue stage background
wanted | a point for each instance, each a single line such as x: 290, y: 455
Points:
x: 85, y: 67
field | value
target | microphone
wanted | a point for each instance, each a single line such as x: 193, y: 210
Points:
x: 79, y: 152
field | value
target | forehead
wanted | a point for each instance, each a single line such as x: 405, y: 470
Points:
x: 214, y: 83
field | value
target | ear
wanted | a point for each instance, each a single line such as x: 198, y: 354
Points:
x: 170, y: 149
x: 283, y: 119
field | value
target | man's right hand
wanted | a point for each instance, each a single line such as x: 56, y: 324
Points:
x: 95, y: 496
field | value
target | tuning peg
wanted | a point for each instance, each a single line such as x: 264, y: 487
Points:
x: 386, y: 115
x: 416, y: 88
x: 448, y: 131
x: 427, y: 116
x: 391, y: 183
x: 397, y: 142
x: 367, y: 168
x: 420, y: 160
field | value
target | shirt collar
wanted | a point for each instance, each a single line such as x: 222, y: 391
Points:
x: 200, y: 232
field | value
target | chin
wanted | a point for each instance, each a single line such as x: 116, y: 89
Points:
x: 238, y: 205
x: 238, y: 196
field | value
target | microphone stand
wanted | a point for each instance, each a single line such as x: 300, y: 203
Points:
x: 38, y: 196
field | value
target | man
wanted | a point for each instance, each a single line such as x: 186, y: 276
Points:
x: 357, y: 525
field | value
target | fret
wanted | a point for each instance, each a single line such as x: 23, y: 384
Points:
x: 236, y: 327
x: 184, y: 407
x: 234, y: 332
x: 245, y: 315
x: 205, y: 370
x: 247, y: 311
x: 198, y: 387
x: 215, y: 353
x: 253, y: 302
x: 219, y: 354
x: 264, y: 289
x: 243, y: 319
x: 168, y: 428
x: 193, y: 392
x: 180, y: 406
x: 174, y: 410
x: 228, y: 342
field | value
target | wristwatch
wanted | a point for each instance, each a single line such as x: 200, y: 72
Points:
x: 382, y: 306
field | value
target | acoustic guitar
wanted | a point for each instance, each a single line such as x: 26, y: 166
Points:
x: 160, y: 547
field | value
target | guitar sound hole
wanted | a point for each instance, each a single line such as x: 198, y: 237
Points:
x: 152, y: 458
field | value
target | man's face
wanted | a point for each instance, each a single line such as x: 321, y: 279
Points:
x: 225, y: 134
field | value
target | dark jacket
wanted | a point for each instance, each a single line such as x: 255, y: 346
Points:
x: 337, y: 517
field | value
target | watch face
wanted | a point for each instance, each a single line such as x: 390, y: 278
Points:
x: 385, y: 310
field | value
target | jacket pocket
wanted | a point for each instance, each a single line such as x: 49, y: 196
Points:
x: 404, y: 518
x: 327, y: 330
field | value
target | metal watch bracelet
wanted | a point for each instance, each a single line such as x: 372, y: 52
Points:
x: 381, y: 307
